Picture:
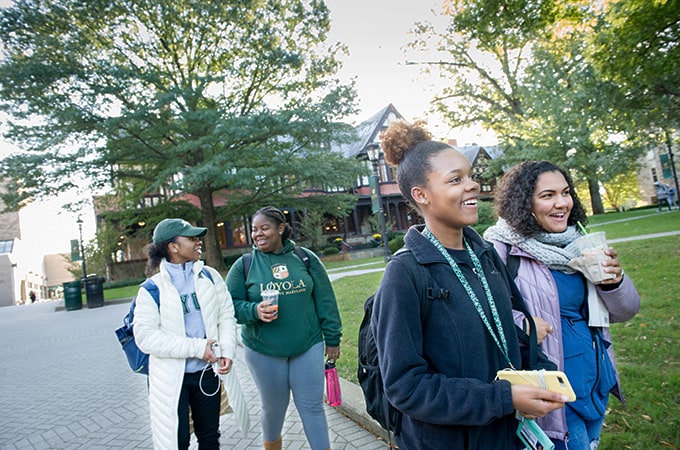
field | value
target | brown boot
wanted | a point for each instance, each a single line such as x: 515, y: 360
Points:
x: 273, y: 445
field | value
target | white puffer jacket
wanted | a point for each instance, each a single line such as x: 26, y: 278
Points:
x: 161, y: 334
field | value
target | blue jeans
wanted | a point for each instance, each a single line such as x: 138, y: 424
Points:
x: 583, y: 434
x: 303, y: 374
x: 662, y: 202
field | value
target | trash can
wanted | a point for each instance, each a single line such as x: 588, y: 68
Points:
x: 73, y: 298
x: 94, y: 291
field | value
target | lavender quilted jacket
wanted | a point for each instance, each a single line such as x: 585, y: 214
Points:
x: 539, y: 290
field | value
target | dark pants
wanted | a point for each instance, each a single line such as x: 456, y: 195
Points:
x: 205, y: 411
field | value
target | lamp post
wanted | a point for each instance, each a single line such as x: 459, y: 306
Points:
x: 82, y: 249
x: 373, y: 152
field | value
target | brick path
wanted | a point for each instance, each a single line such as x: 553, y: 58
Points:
x: 65, y: 384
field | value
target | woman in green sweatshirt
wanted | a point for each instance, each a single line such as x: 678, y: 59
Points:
x: 285, y: 348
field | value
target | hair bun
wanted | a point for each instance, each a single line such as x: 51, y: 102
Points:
x: 401, y: 137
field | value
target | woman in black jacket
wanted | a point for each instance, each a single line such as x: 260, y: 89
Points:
x: 442, y: 375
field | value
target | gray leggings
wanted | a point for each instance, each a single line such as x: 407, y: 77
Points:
x: 302, y: 374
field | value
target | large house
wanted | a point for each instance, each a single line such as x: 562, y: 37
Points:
x: 357, y: 228
x: 398, y: 215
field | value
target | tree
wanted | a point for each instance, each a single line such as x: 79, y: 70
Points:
x: 230, y: 99
x: 311, y: 227
x: 574, y: 118
x: 484, y: 52
x: 636, y: 45
x: 518, y: 68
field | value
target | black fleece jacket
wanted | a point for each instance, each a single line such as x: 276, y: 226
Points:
x: 442, y: 377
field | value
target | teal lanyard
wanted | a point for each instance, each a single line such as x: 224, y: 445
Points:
x: 500, y: 338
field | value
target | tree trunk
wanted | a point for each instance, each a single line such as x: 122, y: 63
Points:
x: 211, y: 243
x: 595, y: 197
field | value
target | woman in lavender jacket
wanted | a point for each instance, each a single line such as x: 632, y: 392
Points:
x: 538, y: 212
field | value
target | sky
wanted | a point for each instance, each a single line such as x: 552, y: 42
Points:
x: 375, y: 31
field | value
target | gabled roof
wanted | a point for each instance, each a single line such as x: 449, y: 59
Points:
x: 367, y: 132
x: 471, y: 152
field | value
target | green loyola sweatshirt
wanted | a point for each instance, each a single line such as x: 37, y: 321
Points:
x: 308, y: 312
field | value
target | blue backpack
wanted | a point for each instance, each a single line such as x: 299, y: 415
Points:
x: 137, y: 359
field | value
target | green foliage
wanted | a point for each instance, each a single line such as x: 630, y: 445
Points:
x: 374, y: 224
x: 311, y: 227
x: 396, y: 243
x: 487, y: 217
x: 622, y: 191
x: 330, y: 250
x: 521, y: 70
x: 636, y: 47
x: 181, y: 97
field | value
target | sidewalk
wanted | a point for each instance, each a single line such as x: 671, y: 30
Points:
x: 65, y: 384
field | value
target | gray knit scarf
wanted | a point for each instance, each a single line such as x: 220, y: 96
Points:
x: 555, y: 250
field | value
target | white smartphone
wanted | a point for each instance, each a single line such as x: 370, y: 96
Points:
x: 550, y: 380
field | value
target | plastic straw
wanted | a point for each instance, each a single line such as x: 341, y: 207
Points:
x: 585, y: 232
x: 580, y: 225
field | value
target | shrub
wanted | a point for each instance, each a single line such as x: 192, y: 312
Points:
x: 396, y: 243
x: 123, y: 283
x: 487, y: 216
x: 330, y: 250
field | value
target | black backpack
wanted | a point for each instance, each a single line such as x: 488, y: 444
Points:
x: 368, y: 371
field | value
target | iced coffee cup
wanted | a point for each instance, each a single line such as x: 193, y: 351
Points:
x: 592, y: 247
x: 270, y: 297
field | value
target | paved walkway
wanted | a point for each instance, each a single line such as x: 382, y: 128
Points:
x: 65, y: 384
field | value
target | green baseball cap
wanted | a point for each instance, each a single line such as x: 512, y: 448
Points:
x: 171, y: 228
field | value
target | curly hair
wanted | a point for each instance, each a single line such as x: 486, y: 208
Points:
x: 276, y: 216
x: 514, y: 194
x: 410, y: 147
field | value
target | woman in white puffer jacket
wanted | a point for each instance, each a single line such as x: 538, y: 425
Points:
x: 195, y: 311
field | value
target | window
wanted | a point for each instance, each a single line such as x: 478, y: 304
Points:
x: 6, y: 246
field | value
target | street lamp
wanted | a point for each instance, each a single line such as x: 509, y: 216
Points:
x: 373, y: 152
x: 82, y: 249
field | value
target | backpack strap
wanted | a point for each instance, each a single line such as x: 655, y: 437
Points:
x: 303, y: 255
x: 426, y: 286
x: 518, y: 305
x: 428, y: 291
x: 206, y: 273
x: 248, y: 260
x: 152, y: 289
x: 511, y: 262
